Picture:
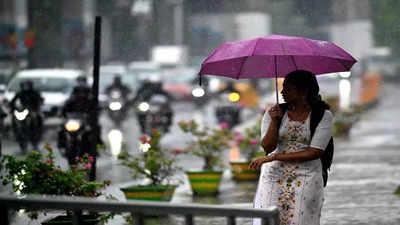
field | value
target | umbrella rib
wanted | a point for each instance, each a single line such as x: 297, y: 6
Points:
x: 241, y: 65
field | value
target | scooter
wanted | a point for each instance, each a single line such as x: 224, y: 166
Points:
x: 155, y: 113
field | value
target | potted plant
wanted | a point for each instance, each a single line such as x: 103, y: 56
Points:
x: 209, y: 144
x: 38, y: 174
x: 248, y: 144
x: 153, y: 164
x: 344, y: 121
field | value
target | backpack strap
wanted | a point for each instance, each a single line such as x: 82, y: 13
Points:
x: 327, y: 155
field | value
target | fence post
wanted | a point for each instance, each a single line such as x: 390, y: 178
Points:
x: 231, y: 220
x: 189, y: 219
x: 76, y: 217
x: 138, y: 218
x: 4, y: 215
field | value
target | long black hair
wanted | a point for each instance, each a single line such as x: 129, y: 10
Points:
x: 306, y: 81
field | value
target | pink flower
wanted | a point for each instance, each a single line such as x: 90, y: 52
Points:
x: 144, y: 139
x: 178, y: 151
x: 48, y: 161
x: 241, y: 105
x: 77, y: 158
x: 224, y: 125
x: 253, y: 141
x: 88, y: 165
x: 91, y: 159
x: 237, y: 133
x: 239, y: 138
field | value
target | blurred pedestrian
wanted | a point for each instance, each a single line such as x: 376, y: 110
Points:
x: 291, y: 173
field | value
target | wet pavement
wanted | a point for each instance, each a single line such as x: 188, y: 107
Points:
x: 364, y: 175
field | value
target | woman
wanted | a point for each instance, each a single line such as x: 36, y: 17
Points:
x: 291, y: 173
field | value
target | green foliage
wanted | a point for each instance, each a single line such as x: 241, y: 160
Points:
x: 38, y: 175
x: 249, y: 142
x: 153, y: 162
x: 386, y: 19
x: 207, y: 143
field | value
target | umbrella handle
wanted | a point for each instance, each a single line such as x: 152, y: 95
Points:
x: 276, y: 89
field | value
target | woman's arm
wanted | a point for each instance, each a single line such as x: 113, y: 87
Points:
x: 301, y: 156
x: 270, y: 139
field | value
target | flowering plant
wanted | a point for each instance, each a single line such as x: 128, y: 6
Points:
x: 207, y: 143
x: 153, y: 163
x: 248, y: 142
x: 36, y: 174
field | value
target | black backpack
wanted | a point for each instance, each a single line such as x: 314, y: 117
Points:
x: 327, y: 156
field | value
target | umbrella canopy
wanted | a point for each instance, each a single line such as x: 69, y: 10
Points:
x: 275, y: 56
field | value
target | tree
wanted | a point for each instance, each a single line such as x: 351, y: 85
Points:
x: 386, y: 22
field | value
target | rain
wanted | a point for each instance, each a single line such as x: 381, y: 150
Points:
x: 165, y: 44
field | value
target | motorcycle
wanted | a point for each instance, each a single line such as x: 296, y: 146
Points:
x: 228, y: 109
x: 26, y: 126
x: 154, y: 113
x: 75, y: 137
x: 116, y: 107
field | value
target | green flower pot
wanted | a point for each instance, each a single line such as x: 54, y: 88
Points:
x: 150, y: 193
x: 241, y: 171
x: 204, y: 182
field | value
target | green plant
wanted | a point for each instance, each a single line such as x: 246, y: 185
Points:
x: 153, y: 162
x: 38, y: 174
x: 248, y: 142
x: 207, y: 143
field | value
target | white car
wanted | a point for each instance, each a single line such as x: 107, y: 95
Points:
x: 55, y: 86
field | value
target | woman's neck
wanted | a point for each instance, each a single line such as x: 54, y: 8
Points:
x: 299, y: 106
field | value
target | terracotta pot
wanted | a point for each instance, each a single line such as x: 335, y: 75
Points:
x: 204, y: 182
x: 241, y: 171
x: 151, y: 193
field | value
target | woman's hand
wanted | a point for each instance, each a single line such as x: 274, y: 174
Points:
x: 257, y: 163
x: 275, y: 112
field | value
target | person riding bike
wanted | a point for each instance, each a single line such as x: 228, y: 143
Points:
x: 118, y: 85
x: 31, y: 99
x: 81, y: 102
x: 145, y: 92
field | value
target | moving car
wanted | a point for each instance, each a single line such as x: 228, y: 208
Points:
x: 55, y: 86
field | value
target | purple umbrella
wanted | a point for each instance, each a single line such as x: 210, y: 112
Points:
x: 275, y: 56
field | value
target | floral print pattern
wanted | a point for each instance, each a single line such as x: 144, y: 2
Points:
x: 295, y: 188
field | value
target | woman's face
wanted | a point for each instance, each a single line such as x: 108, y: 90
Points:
x: 291, y: 94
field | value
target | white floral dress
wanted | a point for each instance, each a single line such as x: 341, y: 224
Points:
x: 296, y: 188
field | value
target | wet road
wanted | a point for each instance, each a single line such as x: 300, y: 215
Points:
x: 365, y: 173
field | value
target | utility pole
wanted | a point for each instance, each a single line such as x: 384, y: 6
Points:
x: 95, y: 91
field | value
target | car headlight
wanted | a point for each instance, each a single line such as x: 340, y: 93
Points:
x: 21, y: 115
x: 114, y: 106
x: 234, y: 96
x: 144, y: 106
x: 72, y: 125
x: 198, y: 92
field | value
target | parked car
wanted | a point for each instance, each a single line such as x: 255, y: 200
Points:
x: 55, y: 86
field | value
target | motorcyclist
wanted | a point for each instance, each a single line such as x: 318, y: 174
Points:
x: 148, y: 89
x: 30, y: 98
x: 117, y: 84
x: 81, y: 102
x: 229, y: 108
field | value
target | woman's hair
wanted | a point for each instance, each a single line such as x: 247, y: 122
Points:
x: 306, y: 81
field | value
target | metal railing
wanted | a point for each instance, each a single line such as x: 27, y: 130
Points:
x: 138, y: 209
